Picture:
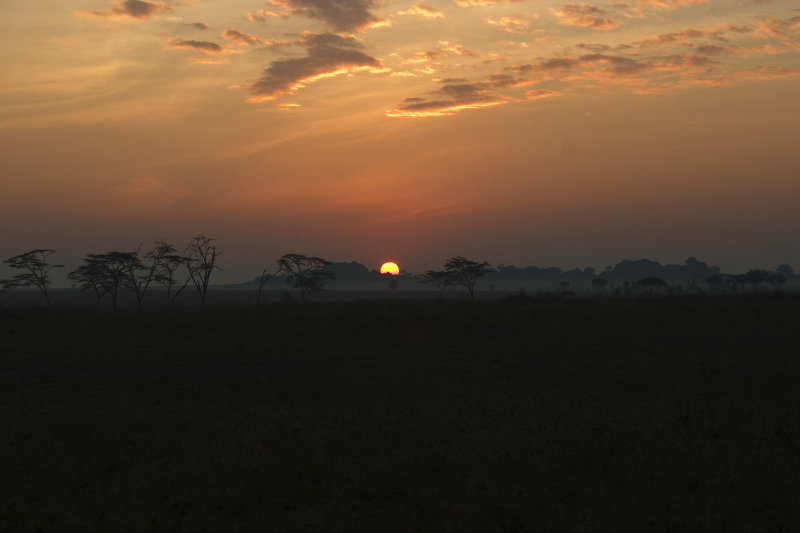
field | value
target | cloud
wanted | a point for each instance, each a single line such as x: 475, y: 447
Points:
x: 681, y: 37
x: 670, y: 4
x: 140, y: 10
x: 470, y: 3
x: 422, y: 10
x: 585, y: 15
x: 328, y: 55
x: 457, y: 94
x: 457, y: 49
x: 538, y: 94
x: 262, y: 14
x: 199, y: 25
x: 207, y: 47
x: 510, y: 24
x: 241, y: 38
x: 340, y: 15
x: 423, y: 57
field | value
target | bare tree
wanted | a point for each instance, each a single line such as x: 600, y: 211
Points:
x: 439, y: 278
x: 170, y: 263
x: 308, y: 274
x: 202, y: 256
x: 140, y: 274
x: 36, y: 271
x: 466, y: 273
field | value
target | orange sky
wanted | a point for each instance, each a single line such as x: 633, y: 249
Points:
x: 546, y: 133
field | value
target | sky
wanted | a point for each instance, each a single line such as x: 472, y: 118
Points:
x: 519, y: 132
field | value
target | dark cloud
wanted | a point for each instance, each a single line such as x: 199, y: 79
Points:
x: 340, y: 15
x: 199, y: 25
x: 137, y: 9
x: 328, y: 55
x: 457, y: 94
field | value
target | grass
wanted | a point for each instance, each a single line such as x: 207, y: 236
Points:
x: 662, y: 414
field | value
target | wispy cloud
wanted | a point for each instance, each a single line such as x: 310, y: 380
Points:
x: 471, y: 3
x: 670, y: 4
x: 586, y: 15
x: 207, y: 47
x: 511, y: 24
x: 421, y: 10
x: 241, y: 38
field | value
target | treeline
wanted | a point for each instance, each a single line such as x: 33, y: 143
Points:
x: 106, y: 274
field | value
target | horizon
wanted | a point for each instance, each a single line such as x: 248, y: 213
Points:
x: 516, y: 132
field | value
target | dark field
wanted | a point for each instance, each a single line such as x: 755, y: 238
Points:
x: 508, y: 415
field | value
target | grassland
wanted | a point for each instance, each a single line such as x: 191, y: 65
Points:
x: 664, y: 414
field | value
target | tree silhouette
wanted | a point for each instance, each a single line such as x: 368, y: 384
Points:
x: 108, y: 271
x: 202, y: 256
x: 599, y: 284
x: 714, y: 282
x: 308, y: 274
x: 170, y: 264
x: 439, y: 278
x: 91, y: 275
x: 140, y: 274
x: 775, y: 279
x: 466, y: 273
x: 754, y: 277
x: 652, y: 283
x: 36, y: 271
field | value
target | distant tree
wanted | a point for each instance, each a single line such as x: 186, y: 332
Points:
x: 775, y: 279
x: 201, y: 256
x: 35, y: 271
x: 754, y: 277
x: 714, y: 282
x: 651, y: 283
x: 786, y: 271
x: 309, y: 274
x: 262, y: 280
x: 599, y: 284
x: 466, y: 273
x: 439, y: 278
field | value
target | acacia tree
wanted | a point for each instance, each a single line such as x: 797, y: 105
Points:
x: 171, y: 262
x: 115, y: 266
x: 439, y: 278
x: 466, y: 273
x: 140, y: 274
x: 36, y: 271
x: 91, y: 275
x: 201, y: 258
x: 308, y: 274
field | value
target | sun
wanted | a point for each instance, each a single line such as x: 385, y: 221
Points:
x: 390, y: 268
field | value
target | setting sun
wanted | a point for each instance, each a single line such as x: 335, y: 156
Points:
x: 390, y: 268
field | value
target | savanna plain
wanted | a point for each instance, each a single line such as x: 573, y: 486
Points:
x: 673, y: 413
